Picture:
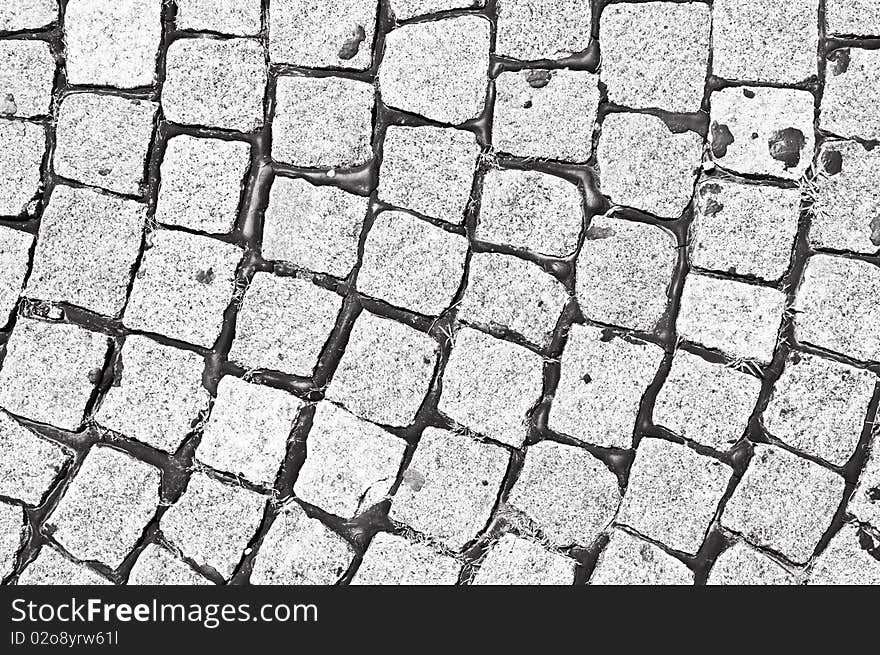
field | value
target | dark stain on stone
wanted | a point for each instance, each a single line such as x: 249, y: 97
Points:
x: 597, y: 232
x: 537, y: 79
x: 681, y: 123
x: 607, y: 335
x: 205, y: 277
x: 839, y: 61
x: 712, y: 207
x: 866, y: 542
x: 795, y: 358
x: 832, y: 161
x: 711, y: 187
x: 873, y: 494
x: 732, y: 270
x: 95, y: 375
x: 875, y: 230
x: 587, y: 379
x: 721, y: 139
x: 352, y: 44
x: 413, y: 479
x: 785, y: 145
x: 8, y: 107
x: 748, y: 93
x: 754, y: 135
x: 527, y: 104
x: 104, y: 171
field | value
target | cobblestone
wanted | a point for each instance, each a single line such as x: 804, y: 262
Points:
x: 864, y: 503
x: 568, y: 493
x: 15, y: 249
x: 835, y: 306
x: 235, y: 17
x: 156, y: 565
x: 316, y: 227
x: 762, y: 131
x: 844, y: 209
x: 783, y: 502
x: 219, y: 83
x: 156, y: 395
x: 394, y: 560
x: 86, y: 248
x: 27, y: 14
x: 740, y: 320
x: 542, y: 29
x: 299, y: 550
x: 48, y: 372
x: 449, y: 86
x: 428, y: 170
x: 743, y: 565
x: 484, y: 373
x: 818, y: 406
x: 283, y: 324
x: 104, y: 510
x: 673, y: 493
x: 450, y: 487
x: 322, y: 35
x: 350, y: 464
x: 516, y: 561
x: 27, y: 69
x: 705, y: 402
x: 851, y: 101
x: 530, y: 210
x: 246, y: 434
x: 405, y: 9
x: 52, y: 568
x: 601, y: 386
x: 13, y: 533
x: 410, y: 263
x: 744, y: 229
x: 550, y: 121
x: 628, y: 560
x: 213, y: 522
x: 845, y: 561
x: 182, y: 287
x: 112, y: 42
x: 23, y: 146
x: 857, y: 17
x: 624, y: 272
x: 644, y: 164
x: 765, y: 41
x: 322, y: 122
x: 385, y: 372
x: 201, y: 183
x: 514, y: 294
x: 102, y: 140
x: 29, y: 464
x: 657, y: 54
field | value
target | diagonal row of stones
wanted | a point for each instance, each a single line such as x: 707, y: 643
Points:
x: 267, y: 265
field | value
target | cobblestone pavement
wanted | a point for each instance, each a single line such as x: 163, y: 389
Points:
x: 534, y: 292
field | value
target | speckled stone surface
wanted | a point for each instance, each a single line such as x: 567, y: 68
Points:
x: 450, y: 86
x: 643, y: 164
x: 552, y: 120
x: 439, y: 292
x: 836, y: 309
x: 783, y: 502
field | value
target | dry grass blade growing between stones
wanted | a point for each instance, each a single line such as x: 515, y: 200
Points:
x: 534, y: 292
